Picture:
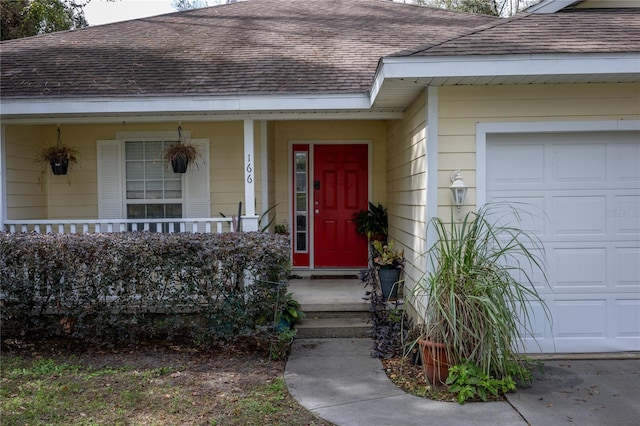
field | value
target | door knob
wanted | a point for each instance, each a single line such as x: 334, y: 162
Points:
x: 317, y: 211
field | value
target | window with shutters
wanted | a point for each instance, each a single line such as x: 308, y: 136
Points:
x: 135, y: 183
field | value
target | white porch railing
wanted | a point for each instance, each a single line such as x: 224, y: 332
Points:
x: 73, y: 226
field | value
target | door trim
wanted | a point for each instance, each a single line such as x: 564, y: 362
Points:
x: 311, y: 144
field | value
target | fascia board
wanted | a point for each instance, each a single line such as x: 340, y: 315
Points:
x: 503, y: 65
x: 113, y: 105
x: 550, y: 6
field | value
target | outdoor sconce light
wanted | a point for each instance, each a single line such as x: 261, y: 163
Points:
x: 458, y: 188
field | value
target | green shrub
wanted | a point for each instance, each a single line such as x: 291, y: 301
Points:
x: 126, y: 286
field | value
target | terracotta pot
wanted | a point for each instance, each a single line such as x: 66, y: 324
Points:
x: 434, y: 359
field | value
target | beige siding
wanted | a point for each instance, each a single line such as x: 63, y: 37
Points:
x: 462, y: 107
x: 406, y: 174
x: 75, y: 195
x: 26, y: 179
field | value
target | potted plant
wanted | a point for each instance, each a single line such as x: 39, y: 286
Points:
x: 389, y: 262
x: 477, y: 311
x: 289, y: 313
x: 179, y: 155
x: 60, y: 157
x: 372, y: 223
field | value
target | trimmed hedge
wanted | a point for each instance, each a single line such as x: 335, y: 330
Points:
x: 130, y: 286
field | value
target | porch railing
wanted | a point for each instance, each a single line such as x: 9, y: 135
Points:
x: 66, y: 226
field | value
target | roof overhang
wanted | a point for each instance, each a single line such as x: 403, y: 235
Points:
x: 550, y: 6
x: 398, y: 80
x: 195, y: 108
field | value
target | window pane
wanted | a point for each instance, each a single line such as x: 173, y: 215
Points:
x: 135, y: 211
x: 301, y: 162
x: 153, y: 151
x: 135, y: 170
x: 301, y: 223
x: 135, y: 190
x: 173, y: 210
x: 301, y: 182
x: 134, y: 150
x: 155, y: 211
x: 301, y: 241
x: 301, y: 202
x: 153, y: 170
x: 154, y: 190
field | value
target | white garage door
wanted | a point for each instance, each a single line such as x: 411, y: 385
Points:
x: 584, y: 189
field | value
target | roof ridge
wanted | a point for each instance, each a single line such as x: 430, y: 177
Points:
x: 474, y: 30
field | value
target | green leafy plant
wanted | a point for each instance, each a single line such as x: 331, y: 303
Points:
x: 469, y: 382
x: 372, y: 223
x: 290, y: 311
x: 386, y: 254
x: 281, y: 228
x: 475, y: 304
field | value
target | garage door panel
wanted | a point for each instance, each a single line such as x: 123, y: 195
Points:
x: 626, y: 312
x: 624, y: 215
x: 581, y: 318
x: 624, y: 163
x: 626, y: 268
x: 517, y: 166
x: 586, y: 187
x: 580, y: 267
x: 579, y: 163
x: 579, y: 215
x: 532, y: 207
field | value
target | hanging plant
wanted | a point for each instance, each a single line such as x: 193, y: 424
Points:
x: 59, y: 156
x: 180, y: 154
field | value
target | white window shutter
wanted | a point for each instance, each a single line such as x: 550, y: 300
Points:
x: 197, y: 203
x: 110, y: 198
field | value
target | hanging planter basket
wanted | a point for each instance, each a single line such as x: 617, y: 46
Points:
x: 179, y: 155
x: 59, y: 156
x: 179, y: 164
x: 60, y: 166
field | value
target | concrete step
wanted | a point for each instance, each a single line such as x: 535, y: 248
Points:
x: 335, y: 307
x: 318, y: 327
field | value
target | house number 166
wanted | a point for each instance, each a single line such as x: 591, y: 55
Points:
x: 249, y: 169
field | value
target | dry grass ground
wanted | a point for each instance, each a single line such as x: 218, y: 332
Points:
x: 64, y: 383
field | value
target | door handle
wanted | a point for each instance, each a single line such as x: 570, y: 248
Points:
x: 317, y: 211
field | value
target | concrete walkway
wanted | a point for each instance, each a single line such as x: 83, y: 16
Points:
x: 337, y: 380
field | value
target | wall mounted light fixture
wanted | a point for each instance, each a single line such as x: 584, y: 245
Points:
x: 458, y: 188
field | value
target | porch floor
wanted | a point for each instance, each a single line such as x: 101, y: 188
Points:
x: 334, y: 294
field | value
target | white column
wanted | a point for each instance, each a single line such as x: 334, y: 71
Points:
x: 264, y: 171
x: 250, y: 220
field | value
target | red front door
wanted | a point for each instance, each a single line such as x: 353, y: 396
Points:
x: 340, y: 189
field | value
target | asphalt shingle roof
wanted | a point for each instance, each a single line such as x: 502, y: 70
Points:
x: 253, y: 47
x: 567, y: 31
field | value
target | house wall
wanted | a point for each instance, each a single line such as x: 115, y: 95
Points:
x: 462, y: 107
x: 75, y: 195
x: 26, y: 191
x: 406, y: 191
x: 314, y: 131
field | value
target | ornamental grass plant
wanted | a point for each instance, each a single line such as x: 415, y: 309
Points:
x: 480, y: 291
